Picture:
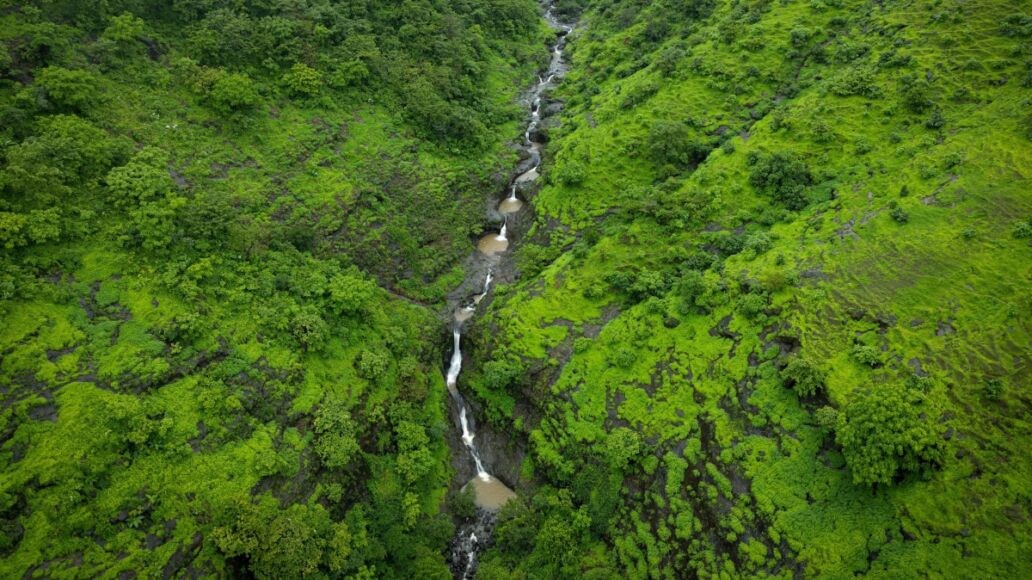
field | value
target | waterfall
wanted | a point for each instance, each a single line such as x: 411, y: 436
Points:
x: 467, y: 438
x: 491, y: 493
x: 456, y: 361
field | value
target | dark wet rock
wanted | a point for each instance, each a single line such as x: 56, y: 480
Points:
x: 915, y: 363
x: 539, y: 135
x: 671, y: 322
x: 945, y: 327
x: 47, y: 412
x: 551, y: 109
x: 181, y: 557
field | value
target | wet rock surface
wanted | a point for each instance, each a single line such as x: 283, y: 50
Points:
x: 487, y: 459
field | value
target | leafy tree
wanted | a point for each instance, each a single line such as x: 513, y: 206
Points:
x: 34, y: 227
x: 67, y: 154
x: 804, y: 375
x: 372, y: 364
x: 70, y: 90
x: 691, y: 288
x: 303, y: 80
x: 284, y: 543
x: 229, y: 92
x: 865, y: 355
x: 124, y: 28
x: 350, y: 294
x: 144, y: 187
x: 827, y: 418
x: 782, y: 176
x: 884, y: 433
x: 336, y: 434
x: 621, y: 448
x: 670, y: 143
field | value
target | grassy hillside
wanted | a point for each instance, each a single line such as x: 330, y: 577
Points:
x: 774, y: 313
x: 224, y: 228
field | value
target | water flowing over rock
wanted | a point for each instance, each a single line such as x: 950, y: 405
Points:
x: 490, y: 492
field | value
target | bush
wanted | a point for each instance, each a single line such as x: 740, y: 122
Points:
x: 855, y: 81
x: 993, y: 389
x: 233, y: 93
x: 372, y: 364
x: 915, y: 93
x: 303, y: 80
x: 1022, y: 230
x: 884, y: 434
x: 782, y: 176
x: 865, y: 355
x: 336, y: 434
x: 827, y: 418
x: 68, y: 89
x: 670, y: 143
x: 804, y: 375
x: 752, y: 305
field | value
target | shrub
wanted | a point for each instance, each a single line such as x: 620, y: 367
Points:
x: 900, y: 215
x: 303, y: 80
x: 68, y: 89
x: 827, y: 418
x: 783, y: 176
x: 624, y: 358
x: 865, y: 355
x: 993, y: 389
x: 804, y: 375
x: 855, y: 81
x: 936, y: 120
x: 1022, y: 230
x: 915, y: 93
x: 233, y: 93
x: 670, y: 143
x: 752, y: 305
x: 336, y: 439
x: 372, y: 364
x: 884, y: 434
x: 758, y: 243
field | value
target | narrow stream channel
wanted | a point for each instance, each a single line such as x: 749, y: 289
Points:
x: 491, y: 493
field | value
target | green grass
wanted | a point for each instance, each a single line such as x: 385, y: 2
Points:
x: 949, y: 288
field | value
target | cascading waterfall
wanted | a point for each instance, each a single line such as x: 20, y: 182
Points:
x: 491, y: 493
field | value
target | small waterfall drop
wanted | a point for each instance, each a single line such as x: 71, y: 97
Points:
x: 490, y: 493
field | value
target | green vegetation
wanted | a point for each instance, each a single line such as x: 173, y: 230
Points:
x: 794, y: 263
x: 225, y: 228
x: 771, y: 315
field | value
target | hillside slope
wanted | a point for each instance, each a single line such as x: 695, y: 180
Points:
x: 774, y: 313
x: 224, y: 231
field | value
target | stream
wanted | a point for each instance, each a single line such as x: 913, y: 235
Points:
x: 490, y: 492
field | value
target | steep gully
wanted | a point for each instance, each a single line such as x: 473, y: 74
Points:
x: 491, y: 493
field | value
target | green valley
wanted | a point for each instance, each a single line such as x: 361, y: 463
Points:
x: 736, y: 288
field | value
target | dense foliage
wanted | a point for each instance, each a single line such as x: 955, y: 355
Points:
x: 781, y: 246
x: 771, y: 317
x: 221, y: 225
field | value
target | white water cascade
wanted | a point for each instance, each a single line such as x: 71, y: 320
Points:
x: 491, y: 493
